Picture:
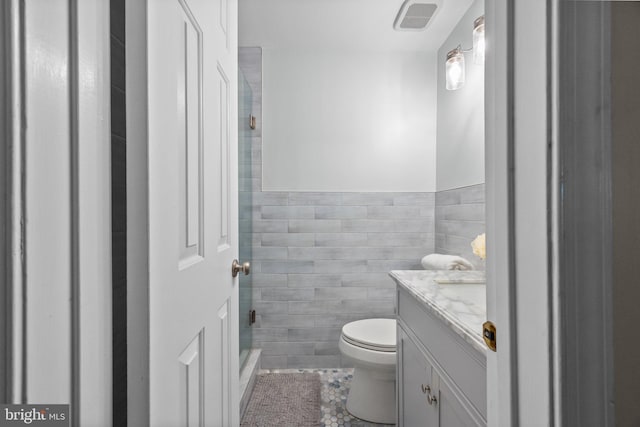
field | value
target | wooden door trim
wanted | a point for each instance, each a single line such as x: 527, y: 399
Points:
x: 502, y: 407
x: 92, y: 354
x: 583, y: 197
x: 12, y: 208
x: 532, y: 212
x: 138, y: 344
x: 88, y: 325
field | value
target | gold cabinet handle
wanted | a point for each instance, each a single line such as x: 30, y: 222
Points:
x: 236, y: 268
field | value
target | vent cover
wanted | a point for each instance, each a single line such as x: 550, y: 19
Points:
x: 414, y: 15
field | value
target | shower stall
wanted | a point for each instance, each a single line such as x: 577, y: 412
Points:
x: 245, y: 125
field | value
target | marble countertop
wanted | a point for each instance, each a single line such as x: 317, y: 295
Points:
x: 458, y: 298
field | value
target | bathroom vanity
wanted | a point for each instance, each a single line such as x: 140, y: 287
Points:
x: 441, y: 357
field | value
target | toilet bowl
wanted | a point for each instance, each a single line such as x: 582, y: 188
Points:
x: 370, y: 345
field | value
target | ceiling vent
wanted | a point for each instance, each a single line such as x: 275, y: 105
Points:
x: 415, y: 15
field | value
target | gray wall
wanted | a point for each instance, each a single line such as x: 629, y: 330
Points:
x: 626, y: 209
x: 460, y: 135
x: 321, y: 259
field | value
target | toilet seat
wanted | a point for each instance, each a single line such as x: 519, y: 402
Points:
x: 371, y: 334
x: 368, y: 346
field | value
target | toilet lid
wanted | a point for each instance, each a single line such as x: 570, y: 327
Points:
x: 374, y: 334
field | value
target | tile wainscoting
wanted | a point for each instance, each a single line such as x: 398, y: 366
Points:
x: 460, y: 217
x: 321, y: 260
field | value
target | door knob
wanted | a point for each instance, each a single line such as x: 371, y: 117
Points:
x: 236, y: 268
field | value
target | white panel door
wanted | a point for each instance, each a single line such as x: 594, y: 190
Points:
x: 193, y: 353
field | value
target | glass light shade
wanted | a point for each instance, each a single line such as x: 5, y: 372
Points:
x: 478, y: 41
x: 455, y: 69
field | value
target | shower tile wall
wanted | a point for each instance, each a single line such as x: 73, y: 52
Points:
x: 460, y: 217
x: 321, y: 260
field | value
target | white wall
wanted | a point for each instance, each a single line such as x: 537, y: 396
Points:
x: 460, y: 151
x: 348, y: 121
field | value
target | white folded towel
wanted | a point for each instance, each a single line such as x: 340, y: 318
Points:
x: 445, y: 262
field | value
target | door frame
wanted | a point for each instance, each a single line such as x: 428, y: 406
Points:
x: 91, y: 87
x: 9, y: 209
x: 582, y: 110
x: 520, y: 23
x: 78, y: 332
x: 532, y: 213
x: 501, y: 365
x: 533, y: 293
x: 520, y: 376
x: 138, y: 344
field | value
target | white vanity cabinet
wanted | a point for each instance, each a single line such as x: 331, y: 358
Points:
x: 415, y: 379
x: 441, y: 377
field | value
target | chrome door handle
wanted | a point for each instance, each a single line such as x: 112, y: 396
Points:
x: 236, y: 268
x: 432, y: 399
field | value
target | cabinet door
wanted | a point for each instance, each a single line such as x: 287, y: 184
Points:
x: 414, y: 375
x: 452, y: 412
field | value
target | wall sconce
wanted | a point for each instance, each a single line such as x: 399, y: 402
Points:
x: 455, y: 68
x: 478, y: 41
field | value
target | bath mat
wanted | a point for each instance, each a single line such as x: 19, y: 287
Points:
x: 284, y: 400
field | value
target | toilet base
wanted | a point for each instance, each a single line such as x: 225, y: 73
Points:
x: 372, y: 395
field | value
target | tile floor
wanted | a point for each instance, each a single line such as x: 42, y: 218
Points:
x: 335, y: 388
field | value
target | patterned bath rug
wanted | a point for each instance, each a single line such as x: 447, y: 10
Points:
x: 284, y: 400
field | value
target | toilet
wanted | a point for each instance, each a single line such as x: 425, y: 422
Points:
x: 370, y: 345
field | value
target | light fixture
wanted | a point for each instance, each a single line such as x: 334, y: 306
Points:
x: 455, y: 69
x: 478, y: 41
